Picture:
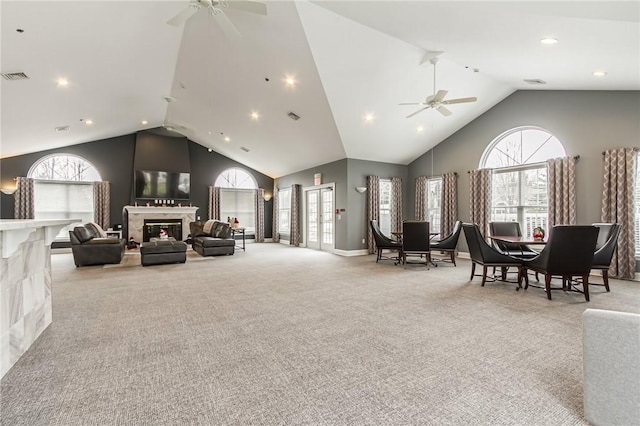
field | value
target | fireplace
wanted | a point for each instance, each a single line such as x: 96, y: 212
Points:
x: 152, y: 227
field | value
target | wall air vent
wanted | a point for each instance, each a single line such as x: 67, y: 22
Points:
x: 245, y: 149
x: 292, y: 115
x: 62, y: 129
x: 534, y: 81
x: 15, y: 76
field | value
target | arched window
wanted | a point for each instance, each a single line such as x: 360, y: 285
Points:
x: 519, y: 177
x: 238, y: 197
x: 63, y: 189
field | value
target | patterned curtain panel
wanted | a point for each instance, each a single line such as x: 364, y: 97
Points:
x: 102, y: 204
x: 449, y: 203
x: 561, y: 191
x: 421, y: 198
x: 214, y: 202
x: 373, y: 208
x: 276, y: 216
x: 480, y: 189
x: 259, y: 236
x: 396, y: 209
x: 618, y: 206
x: 296, y: 211
x: 25, y: 201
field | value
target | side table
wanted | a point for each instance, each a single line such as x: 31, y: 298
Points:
x: 235, y: 231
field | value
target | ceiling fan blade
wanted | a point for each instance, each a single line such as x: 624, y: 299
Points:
x: 182, y: 17
x: 412, y: 103
x: 226, y: 25
x: 444, y: 111
x: 460, y: 100
x: 414, y: 113
x: 248, y: 6
x: 440, y: 95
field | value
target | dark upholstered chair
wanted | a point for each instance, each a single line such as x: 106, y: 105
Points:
x: 384, y: 243
x: 415, y: 241
x: 485, y: 255
x: 605, y: 247
x: 449, y: 243
x: 568, y: 253
x: 90, y: 248
x: 511, y: 229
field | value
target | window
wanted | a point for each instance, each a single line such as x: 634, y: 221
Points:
x: 238, y: 197
x: 519, y: 178
x: 637, y: 197
x: 434, y: 201
x: 284, y: 211
x: 63, y: 189
x: 384, y: 219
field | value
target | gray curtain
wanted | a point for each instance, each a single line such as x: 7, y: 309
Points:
x: 373, y: 208
x: 396, y: 208
x: 102, y: 204
x: 276, y: 216
x: 296, y: 211
x: 421, y: 198
x: 24, y: 199
x: 619, y: 182
x: 480, y: 202
x: 561, y: 191
x: 214, y: 202
x: 259, y: 235
x: 449, y: 203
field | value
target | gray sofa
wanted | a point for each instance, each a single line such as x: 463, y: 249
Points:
x: 89, y: 247
x: 212, y: 238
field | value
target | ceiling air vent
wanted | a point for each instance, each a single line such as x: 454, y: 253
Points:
x: 292, y: 115
x: 244, y: 149
x: 534, y: 81
x: 62, y: 129
x: 15, y: 76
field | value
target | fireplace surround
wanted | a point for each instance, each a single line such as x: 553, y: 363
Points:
x: 134, y: 217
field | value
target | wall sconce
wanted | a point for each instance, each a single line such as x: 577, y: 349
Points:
x: 267, y: 196
x: 7, y: 191
x: 361, y: 189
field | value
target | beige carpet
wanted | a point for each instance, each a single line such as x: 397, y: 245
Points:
x: 132, y: 258
x: 281, y: 335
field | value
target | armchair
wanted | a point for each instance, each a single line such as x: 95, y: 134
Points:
x: 89, y: 247
x: 449, y: 243
x: 605, y: 247
x: 383, y: 242
x: 415, y: 241
x: 511, y: 229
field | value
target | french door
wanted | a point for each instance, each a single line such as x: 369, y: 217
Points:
x: 319, y: 217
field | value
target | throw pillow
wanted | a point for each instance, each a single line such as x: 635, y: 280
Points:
x: 222, y: 230
x: 82, y: 234
x: 196, y: 229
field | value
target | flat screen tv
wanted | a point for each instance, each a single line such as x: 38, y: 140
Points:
x: 158, y: 185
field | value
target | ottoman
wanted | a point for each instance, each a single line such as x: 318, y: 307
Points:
x: 163, y: 251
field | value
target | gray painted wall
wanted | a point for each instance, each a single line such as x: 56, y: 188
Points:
x: 586, y: 122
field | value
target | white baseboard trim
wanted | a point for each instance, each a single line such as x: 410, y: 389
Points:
x: 349, y: 253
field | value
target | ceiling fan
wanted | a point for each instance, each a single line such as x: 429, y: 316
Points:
x: 436, y: 101
x: 215, y: 9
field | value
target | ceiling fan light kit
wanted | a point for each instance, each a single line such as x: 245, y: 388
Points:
x: 437, y: 101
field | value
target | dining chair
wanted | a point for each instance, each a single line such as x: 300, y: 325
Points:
x: 486, y: 256
x: 415, y: 241
x: 605, y: 247
x: 567, y: 254
x: 449, y: 243
x: 384, y: 243
x: 511, y: 229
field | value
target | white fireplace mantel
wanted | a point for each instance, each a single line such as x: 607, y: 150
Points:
x: 137, y: 214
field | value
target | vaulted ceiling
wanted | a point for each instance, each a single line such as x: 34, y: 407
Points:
x: 349, y: 59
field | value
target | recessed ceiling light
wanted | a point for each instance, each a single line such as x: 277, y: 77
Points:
x: 420, y: 129
x: 599, y: 73
x: 368, y: 117
x: 210, y: 150
x: 227, y: 139
x: 143, y: 122
x: 548, y: 40
x: 63, y: 82
x: 255, y: 115
x: 291, y: 81
x: 88, y: 122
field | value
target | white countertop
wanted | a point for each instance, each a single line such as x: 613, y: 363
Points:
x: 12, y: 224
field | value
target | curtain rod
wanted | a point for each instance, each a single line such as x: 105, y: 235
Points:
x: 575, y: 157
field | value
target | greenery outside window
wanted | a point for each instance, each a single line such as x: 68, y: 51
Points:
x: 384, y: 219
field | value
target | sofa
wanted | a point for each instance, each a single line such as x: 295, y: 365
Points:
x: 91, y: 246
x: 212, y: 238
x: 611, y: 367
